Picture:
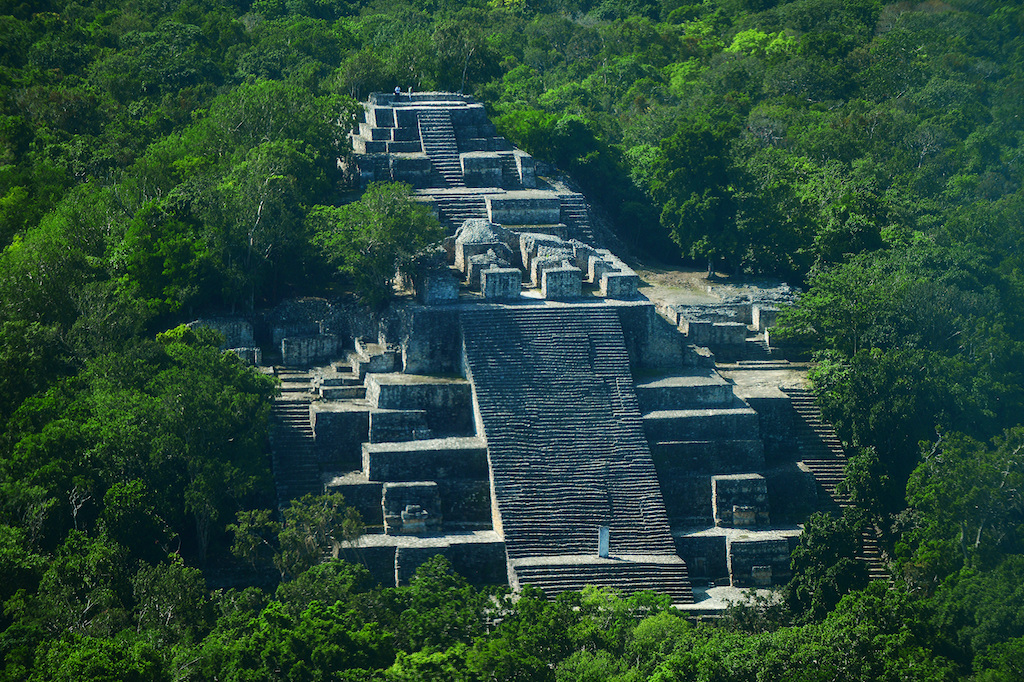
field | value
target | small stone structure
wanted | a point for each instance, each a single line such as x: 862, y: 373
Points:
x: 411, y: 508
x: 739, y: 500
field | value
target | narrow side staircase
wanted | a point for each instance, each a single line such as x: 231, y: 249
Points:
x: 576, y: 216
x: 510, y: 172
x: 824, y: 456
x: 293, y: 450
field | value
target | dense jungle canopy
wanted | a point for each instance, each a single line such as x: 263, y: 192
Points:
x: 165, y: 160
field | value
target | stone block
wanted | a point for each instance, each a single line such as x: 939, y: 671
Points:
x: 363, y: 496
x: 621, y: 286
x: 529, y: 242
x: 481, y: 169
x: 372, y: 358
x: 523, y: 208
x: 775, y: 419
x: 447, y: 403
x: 561, y: 283
x: 373, y: 133
x: 729, y: 311
x: 363, y: 146
x: 687, y: 496
x: 309, y: 350
x: 407, y: 117
x: 436, y: 287
x: 380, y: 116
x: 698, y: 332
x: 527, y: 170
x: 435, y: 459
x: 499, y: 256
x: 710, y: 333
x: 763, y: 316
x: 466, y: 250
x: 432, y: 344
x: 654, y: 344
x: 414, y: 169
x: 705, y: 556
x: 739, y: 500
x: 379, y: 561
x: 404, y: 147
x: 758, y: 562
x: 699, y: 388
x: 482, y: 563
x: 793, y: 492
x: 339, y: 429
x: 409, y: 133
x: 411, y: 508
x: 720, y: 456
x: 250, y: 356
x: 501, y: 283
x: 738, y: 422
x: 474, y: 144
x: 393, y: 426
x: 540, y: 263
x: 581, y: 255
x: 468, y: 115
x: 237, y: 332
x: 728, y: 334
x: 598, y: 266
x: 465, y: 503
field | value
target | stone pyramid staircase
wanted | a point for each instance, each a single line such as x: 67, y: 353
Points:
x: 576, y: 216
x: 454, y: 209
x: 293, y: 449
x: 664, y: 575
x: 510, y: 172
x: 566, y: 445
x: 824, y: 457
x: 438, y: 138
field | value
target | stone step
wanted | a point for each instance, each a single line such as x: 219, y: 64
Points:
x: 701, y: 424
x: 629, y: 576
x: 699, y: 388
x: 433, y: 459
x: 342, y: 392
x: 564, y: 432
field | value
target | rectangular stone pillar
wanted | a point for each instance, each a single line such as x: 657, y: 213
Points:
x: 561, y: 283
x: 501, y: 283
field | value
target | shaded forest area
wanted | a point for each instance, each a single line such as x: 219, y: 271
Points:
x: 159, y: 161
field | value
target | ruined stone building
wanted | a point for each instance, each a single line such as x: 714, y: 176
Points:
x: 528, y: 413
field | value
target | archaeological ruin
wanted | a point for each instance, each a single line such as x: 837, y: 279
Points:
x: 525, y: 410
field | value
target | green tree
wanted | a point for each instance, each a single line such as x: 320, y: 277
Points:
x: 824, y: 565
x: 372, y: 239
x: 690, y: 180
x: 964, y: 509
x: 313, y: 528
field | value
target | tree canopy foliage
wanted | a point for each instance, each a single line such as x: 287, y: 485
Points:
x: 161, y: 161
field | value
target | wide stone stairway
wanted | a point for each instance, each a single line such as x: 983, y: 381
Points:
x: 438, y: 138
x: 567, y: 450
x: 296, y: 471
